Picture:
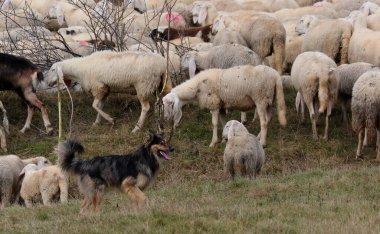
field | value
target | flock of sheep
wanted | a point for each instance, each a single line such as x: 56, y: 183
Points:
x: 240, y: 51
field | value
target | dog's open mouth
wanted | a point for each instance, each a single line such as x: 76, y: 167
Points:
x: 165, y: 155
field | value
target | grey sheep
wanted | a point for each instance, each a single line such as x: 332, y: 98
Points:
x: 222, y: 56
x: 243, y: 155
x: 365, y: 106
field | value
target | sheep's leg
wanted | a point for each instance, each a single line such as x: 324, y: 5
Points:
x: 255, y: 116
x: 378, y: 145
x: 99, y: 117
x: 33, y: 100
x: 326, y: 135
x: 263, y: 124
x: 313, y: 118
x: 344, y: 111
x: 6, y: 196
x: 28, y: 202
x: 28, y: 119
x: 3, y: 141
x: 360, y: 143
x: 145, y: 106
x: 365, y: 143
x: 215, y: 116
x: 63, y: 188
x: 46, y: 198
x: 102, y: 113
x: 243, y: 117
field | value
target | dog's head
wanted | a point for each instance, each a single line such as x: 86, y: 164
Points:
x: 158, y: 147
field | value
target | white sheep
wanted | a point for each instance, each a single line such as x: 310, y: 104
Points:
x: 223, y: 56
x: 10, y: 168
x: 263, y: 34
x: 203, y: 12
x: 240, y: 87
x: 364, y: 44
x: 226, y: 36
x: 43, y: 183
x: 104, y: 71
x: 243, y: 155
x: 313, y: 77
x: 320, y: 36
x: 365, y: 108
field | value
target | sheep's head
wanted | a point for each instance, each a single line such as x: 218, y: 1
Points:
x: 199, y: 11
x: 233, y: 128
x: 54, y: 74
x: 188, y: 62
x: 369, y: 8
x: 304, y: 23
x: 56, y: 12
x: 172, y: 108
x: 138, y: 5
x: 41, y: 162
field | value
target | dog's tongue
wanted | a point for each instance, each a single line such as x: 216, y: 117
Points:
x: 166, y: 156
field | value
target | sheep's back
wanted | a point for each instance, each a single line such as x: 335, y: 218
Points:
x: 241, y: 86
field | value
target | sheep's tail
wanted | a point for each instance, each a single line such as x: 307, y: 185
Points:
x: 280, y: 99
x: 66, y: 156
x: 323, y: 94
x: 63, y: 188
x: 166, y: 83
x: 5, y: 118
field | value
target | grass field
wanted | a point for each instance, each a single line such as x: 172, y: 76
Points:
x: 305, y: 186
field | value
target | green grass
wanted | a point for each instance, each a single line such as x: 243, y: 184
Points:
x: 306, y: 186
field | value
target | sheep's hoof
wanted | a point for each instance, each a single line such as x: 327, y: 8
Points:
x: 136, y: 129
x: 326, y: 138
x: 223, y: 141
x: 4, y: 149
x: 24, y: 130
x: 212, y: 145
x: 49, y: 131
x: 315, y: 137
x: 359, y: 157
x: 95, y: 124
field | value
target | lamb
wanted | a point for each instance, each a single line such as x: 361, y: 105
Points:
x: 239, y: 87
x: 10, y: 168
x: 365, y: 108
x: 347, y: 74
x: 332, y: 41
x: 243, y: 155
x: 43, y: 183
x: 364, y: 46
x: 313, y: 77
x: 263, y: 34
x: 165, y: 33
x: 104, y: 71
x: 223, y: 56
x: 20, y: 75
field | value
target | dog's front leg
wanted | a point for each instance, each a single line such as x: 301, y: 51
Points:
x: 129, y: 186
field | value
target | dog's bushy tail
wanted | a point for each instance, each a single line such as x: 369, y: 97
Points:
x: 65, y: 151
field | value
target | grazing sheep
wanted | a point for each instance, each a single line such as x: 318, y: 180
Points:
x: 10, y: 168
x: 364, y: 44
x: 320, y: 36
x: 243, y: 155
x: 240, y: 87
x: 104, y: 71
x: 20, y: 75
x: 223, y: 56
x: 365, y: 106
x: 4, y: 128
x: 164, y: 33
x: 43, y: 184
x: 347, y: 74
x: 263, y: 34
x: 313, y: 77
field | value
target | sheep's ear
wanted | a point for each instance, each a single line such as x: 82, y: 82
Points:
x: 202, y: 15
x: 192, y: 66
x: 22, y: 173
x: 60, y: 16
x: 231, y: 131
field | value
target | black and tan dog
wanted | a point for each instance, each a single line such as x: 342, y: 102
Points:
x: 131, y: 173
